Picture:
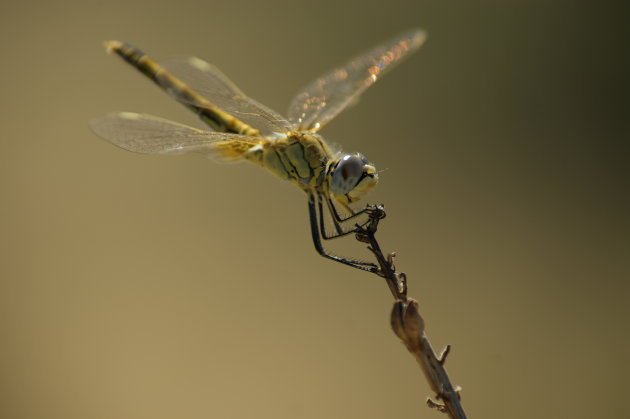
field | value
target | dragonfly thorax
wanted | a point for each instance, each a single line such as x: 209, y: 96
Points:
x: 351, y: 177
x: 301, y: 157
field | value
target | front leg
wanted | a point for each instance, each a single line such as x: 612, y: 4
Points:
x: 336, y: 223
x: 316, y: 231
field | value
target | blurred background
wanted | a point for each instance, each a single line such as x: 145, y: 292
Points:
x: 158, y: 287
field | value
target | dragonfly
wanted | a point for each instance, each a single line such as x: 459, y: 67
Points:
x: 242, y: 129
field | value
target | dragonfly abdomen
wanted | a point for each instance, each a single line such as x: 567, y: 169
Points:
x: 207, y: 111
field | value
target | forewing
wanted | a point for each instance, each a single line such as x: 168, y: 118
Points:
x: 208, y: 81
x: 147, y: 134
x: 327, y: 96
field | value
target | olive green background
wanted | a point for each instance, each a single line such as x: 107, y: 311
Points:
x: 172, y: 287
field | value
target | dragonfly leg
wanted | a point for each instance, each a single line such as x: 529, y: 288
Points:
x: 335, y: 214
x: 316, y: 233
x: 340, y: 230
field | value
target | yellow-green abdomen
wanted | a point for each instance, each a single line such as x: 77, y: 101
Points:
x: 211, y: 114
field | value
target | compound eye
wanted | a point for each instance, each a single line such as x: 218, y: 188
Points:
x: 347, y: 174
x: 350, y: 167
x: 363, y: 158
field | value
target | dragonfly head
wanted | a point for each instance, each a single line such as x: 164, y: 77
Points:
x: 351, y: 177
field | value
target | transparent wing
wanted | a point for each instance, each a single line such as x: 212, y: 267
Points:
x: 149, y: 134
x: 211, y: 83
x: 327, y: 96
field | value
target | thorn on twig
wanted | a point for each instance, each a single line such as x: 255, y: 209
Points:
x: 444, y: 354
x: 434, y: 405
x: 390, y: 260
x: 402, y: 284
x: 458, y: 391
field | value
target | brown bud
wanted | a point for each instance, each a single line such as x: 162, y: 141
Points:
x: 407, y: 323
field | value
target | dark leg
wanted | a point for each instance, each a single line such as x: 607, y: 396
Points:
x: 338, y: 227
x: 335, y: 214
x: 315, y: 232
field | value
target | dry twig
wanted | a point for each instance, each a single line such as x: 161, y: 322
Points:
x: 409, y: 325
